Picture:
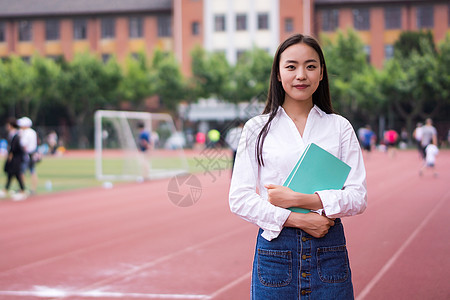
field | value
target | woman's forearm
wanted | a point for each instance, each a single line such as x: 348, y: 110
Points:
x: 312, y: 223
x: 285, y: 197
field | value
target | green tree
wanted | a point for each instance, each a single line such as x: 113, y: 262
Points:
x: 412, y: 80
x: 211, y: 74
x: 443, y: 79
x: 89, y: 85
x: 138, y: 82
x: 251, y: 75
x: 16, y: 86
x: 345, y: 60
x: 169, y: 82
x: 45, y: 84
x: 409, y: 41
x: 368, y: 98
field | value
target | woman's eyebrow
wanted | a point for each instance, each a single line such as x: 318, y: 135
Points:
x: 292, y: 61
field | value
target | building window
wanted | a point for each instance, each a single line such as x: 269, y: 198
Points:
x: 80, y: 29
x: 288, y: 25
x: 425, y: 18
x: 55, y: 58
x: 108, y: 28
x: 330, y: 19
x: 241, y: 22
x: 361, y: 19
x: 219, y: 23
x: 263, y: 21
x: 164, y: 26
x: 136, y: 27
x: 106, y: 57
x: 392, y: 17
x: 195, y: 28
x: 240, y: 54
x: 25, y: 30
x: 367, y: 51
x: 51, y: 30
x: 388, y: 51
x: 2, y: 32
x: 26, y: 59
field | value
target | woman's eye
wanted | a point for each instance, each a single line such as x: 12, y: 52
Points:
x: 311, y: 67
x: 290, y: 67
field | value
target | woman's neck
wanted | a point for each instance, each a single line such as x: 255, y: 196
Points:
x: 297, y: 109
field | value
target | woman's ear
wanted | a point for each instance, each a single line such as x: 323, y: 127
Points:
x: 321, y: 73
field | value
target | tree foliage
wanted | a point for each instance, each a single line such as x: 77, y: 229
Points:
x: 412, y: 86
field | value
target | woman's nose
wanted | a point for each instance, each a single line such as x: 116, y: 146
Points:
x: 301, y: 75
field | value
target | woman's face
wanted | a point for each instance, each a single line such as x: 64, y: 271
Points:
x: 300, y: 72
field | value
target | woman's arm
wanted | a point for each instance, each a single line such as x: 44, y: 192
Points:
x: 283, y: 196
x: 243, y: 198
x: 312, y: 223
x: 352, y: 199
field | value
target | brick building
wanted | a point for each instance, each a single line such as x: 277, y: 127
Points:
x: 61, y: 28
x: 379, y: 23
x: 55, y: 28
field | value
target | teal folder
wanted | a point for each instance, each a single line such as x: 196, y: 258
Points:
x: 316, y: 170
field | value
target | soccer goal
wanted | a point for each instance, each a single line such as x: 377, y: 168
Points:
x: 118, y: 154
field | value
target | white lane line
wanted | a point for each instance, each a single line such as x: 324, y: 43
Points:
x: 231, y: 285
x: 403, y: 247
x: 152, y: 263
x: 56, y: 294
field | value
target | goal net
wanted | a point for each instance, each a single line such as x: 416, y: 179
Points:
x: 118, y: 151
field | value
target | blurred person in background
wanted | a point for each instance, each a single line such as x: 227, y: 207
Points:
x: 390, y: 139
x: 417, y: 134
x: 144, y: 139
x: 13, y: 162
x: 52, y: 141
x: 429, y: 135
x: 368, y: 139
x: 431, y: 151
x: 233, y: 137
x: 28, y: 140
x: 213, y: 137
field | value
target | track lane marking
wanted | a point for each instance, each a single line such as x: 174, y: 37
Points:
x: 365, y: 292
x: 231, y: 285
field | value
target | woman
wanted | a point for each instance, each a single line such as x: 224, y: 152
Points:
x: 13, y: 163
x: 297, y: 254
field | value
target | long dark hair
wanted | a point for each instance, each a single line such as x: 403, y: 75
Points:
x: 275, y: 98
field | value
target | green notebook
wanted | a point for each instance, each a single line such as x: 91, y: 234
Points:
x: 316, y: 170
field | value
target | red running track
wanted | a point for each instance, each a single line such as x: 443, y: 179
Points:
x: 131, y: 242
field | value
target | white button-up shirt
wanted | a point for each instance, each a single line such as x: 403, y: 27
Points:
x: 282, y: 148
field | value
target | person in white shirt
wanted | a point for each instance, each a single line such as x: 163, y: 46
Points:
x: 233, y: 136
x: 28, y: 140
x: 297, y: 254
x: 431, y: 151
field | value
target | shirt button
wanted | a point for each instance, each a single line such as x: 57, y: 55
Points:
x: 303, y: 292
x: 304, y: 275
x: 304, y: 239
x: 303, y: 256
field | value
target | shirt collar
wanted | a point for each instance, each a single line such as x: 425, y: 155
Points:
x: 315, y: 109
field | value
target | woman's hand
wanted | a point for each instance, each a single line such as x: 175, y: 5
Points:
x: 312, y: 223
x: 284, y: 197
x: 280, y: 196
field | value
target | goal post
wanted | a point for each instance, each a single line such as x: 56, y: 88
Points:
x: 117, y: 153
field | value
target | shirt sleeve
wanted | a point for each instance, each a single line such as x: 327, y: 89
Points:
x: 244, y: 199
x: 352, y: 199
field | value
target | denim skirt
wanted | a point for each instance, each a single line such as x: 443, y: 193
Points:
x: 296, y: 265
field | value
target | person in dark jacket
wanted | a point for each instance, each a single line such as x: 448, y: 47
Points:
x: 13, y: 161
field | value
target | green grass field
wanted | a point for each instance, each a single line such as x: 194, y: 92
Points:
x: 68, y: 173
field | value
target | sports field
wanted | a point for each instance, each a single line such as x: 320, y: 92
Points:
x: 132, y: 242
